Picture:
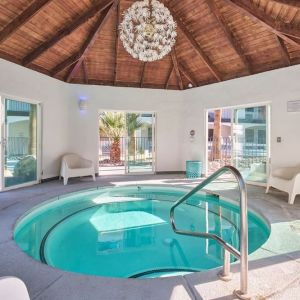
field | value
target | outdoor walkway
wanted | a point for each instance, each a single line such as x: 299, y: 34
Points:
x: 274, y: 268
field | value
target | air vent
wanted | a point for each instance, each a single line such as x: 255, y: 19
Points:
x: 293, y: 106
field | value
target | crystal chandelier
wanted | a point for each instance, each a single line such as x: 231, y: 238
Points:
x: 148, y: 31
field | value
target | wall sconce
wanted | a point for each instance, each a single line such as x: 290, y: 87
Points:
x: 192, y: 135
x: 82, y: 104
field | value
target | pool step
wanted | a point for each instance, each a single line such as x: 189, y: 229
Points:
x: 163, y: 273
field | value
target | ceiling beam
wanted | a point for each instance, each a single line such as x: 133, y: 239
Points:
x: 259, y: 17
x: 143, y: 74
x: 72, y: 59
x: 169, y: 76
x: 295, y: 3
x: 84, y: 70
x: 89, y: 42
x: 278, y: 25
x: 115, y: 74
x: 66, y: 63
x: 187, y: 74
x: 21, y: 19
x: 284, y: 51
x: 76, y: 57
x: 176, y: 67
x: 229, y: 35
x: 99, y: 6
x: 286, y: 28
x: 195, y: 45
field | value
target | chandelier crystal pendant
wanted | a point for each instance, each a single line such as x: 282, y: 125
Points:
x: 148, y: 31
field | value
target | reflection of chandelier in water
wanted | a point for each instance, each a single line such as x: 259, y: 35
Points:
x: 148, y: 31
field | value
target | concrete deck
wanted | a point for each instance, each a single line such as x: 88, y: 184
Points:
x: 274, y: 268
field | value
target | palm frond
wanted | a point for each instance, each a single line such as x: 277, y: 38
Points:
x: 133, y: 123
x: 112, y: 124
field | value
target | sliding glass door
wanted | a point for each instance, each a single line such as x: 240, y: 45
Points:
x: 140, y: 143
x: 250, y: 149
x: 19, y: 141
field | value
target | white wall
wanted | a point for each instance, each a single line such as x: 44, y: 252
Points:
x: 19, y: 83
x: 67, y: 129
x: 276, y: 87
x: 167, y: 105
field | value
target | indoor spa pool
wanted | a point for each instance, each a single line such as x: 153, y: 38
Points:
x: 126, y: 232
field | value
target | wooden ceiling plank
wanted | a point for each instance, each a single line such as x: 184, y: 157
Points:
x: 21, y: 19
x: 143, y: 74
x: 195, y: 45
x: 287, y: 29
x: 203, y: 56
x: 169, y: 76
x: 187, y: 74
x: 117, y: 45
x: 259, y: 17
x: 13, y: 59
x: 284, y: 51
x: 91, y: 39
x: 229, y: 35
x: 67, y: 30
x: 294, y: 3
x: 284, y: 34
x: 176, y: 67
x: 84, y: 70
x: 9, y: 57
x: 122, y: 83
x: 66, y: 63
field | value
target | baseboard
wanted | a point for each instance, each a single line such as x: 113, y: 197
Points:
x: 169, y: 172
x: 49, y: 179
x: 57, y: 177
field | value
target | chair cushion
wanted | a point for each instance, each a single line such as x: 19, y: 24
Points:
x: 286, y: 173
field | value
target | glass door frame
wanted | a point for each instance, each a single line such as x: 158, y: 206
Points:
x: 38, y: 104
x: 267, y: 104
x: 154, y: 118
x: 154, y: 139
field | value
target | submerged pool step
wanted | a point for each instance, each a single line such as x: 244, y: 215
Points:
x: 163, y: 273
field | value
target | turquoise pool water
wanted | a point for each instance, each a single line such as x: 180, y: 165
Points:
x: 125, y: 232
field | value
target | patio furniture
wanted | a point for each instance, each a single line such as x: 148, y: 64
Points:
x: 286, y: 179
x: 13, y: 288
x: 73, y: 165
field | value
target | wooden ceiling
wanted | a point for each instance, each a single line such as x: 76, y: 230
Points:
x: 77, y: 41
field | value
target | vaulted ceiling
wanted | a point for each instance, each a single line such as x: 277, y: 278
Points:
x: 77, y: 41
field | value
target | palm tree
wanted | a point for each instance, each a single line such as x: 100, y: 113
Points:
x: 113, y: 124
x: 133, y: 124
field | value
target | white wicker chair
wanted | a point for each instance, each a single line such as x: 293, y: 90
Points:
x: 286, y: 179
x: 13, y: 288
x: 73, y: 165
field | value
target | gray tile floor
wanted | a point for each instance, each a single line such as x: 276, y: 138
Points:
x: 274, y: 268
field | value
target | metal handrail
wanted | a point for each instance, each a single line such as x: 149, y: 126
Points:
x: 243, y: 253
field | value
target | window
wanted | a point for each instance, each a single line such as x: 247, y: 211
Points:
x: 261, y: 136
x: 249, y: 135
